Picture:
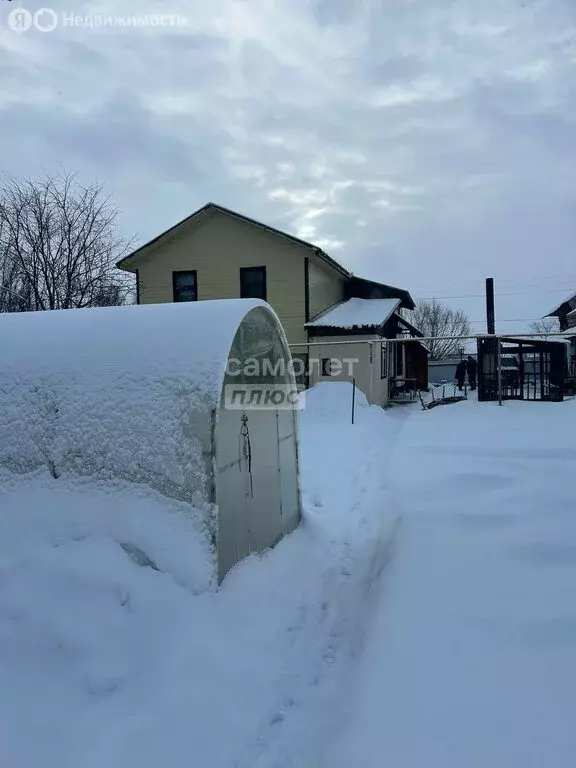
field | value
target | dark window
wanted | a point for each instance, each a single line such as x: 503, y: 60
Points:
x: 253, y: 283
x: 384, y: 360
x: 300, y: 364
x: 326, y: 366
x: 184, y: 286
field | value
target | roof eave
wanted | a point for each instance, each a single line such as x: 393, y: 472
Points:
x: 416, y: 331
x: 563, y: 309
x: 406, y: 300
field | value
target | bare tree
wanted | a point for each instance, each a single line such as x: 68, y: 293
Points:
x: 545, y: 325
x: 58, y: 246
x: 436, y: 319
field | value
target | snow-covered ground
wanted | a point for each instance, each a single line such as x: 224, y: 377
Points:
x: 472, y: 655
x: 422, y: 615
x: 105, y: 661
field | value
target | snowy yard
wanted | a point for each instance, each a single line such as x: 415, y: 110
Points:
x: 422, y: 615
x: 472, y: 654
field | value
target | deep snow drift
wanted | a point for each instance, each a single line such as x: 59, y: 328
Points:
x: 472, y: 658
x: 106, y: 661
x: 446, y: 640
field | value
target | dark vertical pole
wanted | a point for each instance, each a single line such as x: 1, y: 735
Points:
x: 522, y: 368
x: 306, y: 375
x: 353, y: 397
x: 499, y: 358
x: 306, y: 289
x: 490, y: 323
x: 492, y: 347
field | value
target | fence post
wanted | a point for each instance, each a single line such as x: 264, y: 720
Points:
x: 353, y: 396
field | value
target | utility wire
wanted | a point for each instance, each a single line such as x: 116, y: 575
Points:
x: 483, y: 295
x: 562, y: 279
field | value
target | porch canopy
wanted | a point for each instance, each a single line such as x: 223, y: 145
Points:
x: 356, y: 313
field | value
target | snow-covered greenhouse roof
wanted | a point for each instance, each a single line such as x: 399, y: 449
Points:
x: 356, y: 313
x: 167, y: 341
x: 122, y: 392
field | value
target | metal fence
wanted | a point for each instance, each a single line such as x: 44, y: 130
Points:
x: 542, y: 367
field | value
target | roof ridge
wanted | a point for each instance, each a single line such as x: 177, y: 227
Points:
x: 228, y: 211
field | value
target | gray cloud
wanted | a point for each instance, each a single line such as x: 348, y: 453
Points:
x: 423, y: 142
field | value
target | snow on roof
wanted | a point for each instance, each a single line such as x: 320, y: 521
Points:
x: 356, y: 313
x: 117, y: 392
x: 511, y: 340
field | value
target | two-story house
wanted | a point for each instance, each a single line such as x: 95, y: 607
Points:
x: 216, y: 253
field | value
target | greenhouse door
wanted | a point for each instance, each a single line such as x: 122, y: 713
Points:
x: 233, y: 490
x: 288, y: 461
x: 257, y: 481
x: 264, y: 502
x: 274, y: 508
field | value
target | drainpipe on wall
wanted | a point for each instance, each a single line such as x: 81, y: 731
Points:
x: 371, y: 352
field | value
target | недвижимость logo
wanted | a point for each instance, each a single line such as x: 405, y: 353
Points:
x: 43, y: 20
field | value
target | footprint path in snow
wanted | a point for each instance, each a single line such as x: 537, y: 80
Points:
x: 328, y: 636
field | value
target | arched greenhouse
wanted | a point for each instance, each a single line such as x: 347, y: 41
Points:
x: 195, y: 400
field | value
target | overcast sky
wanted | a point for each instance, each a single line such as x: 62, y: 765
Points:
x: 424, y: 143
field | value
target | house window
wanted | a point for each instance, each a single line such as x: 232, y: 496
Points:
x: 326, y: 366
x: 184, y: 286
x: 300, y: 367
x: 399, y: 362
x: 383, y: 360
x: 253, y: 283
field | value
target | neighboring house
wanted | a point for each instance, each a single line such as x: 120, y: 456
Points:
x: 566, y: 314
x: 444, y: 371
x: 216, y: 253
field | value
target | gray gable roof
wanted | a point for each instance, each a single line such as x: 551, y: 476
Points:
x: 214, y: 207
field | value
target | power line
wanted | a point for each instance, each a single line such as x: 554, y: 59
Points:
x: 510, y: 320
x: 556, y: 278
x: 483, y: 295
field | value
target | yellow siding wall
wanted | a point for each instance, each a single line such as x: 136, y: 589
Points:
x: 326, y: 287
x: 354, y: 361
x: 217, y: 247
